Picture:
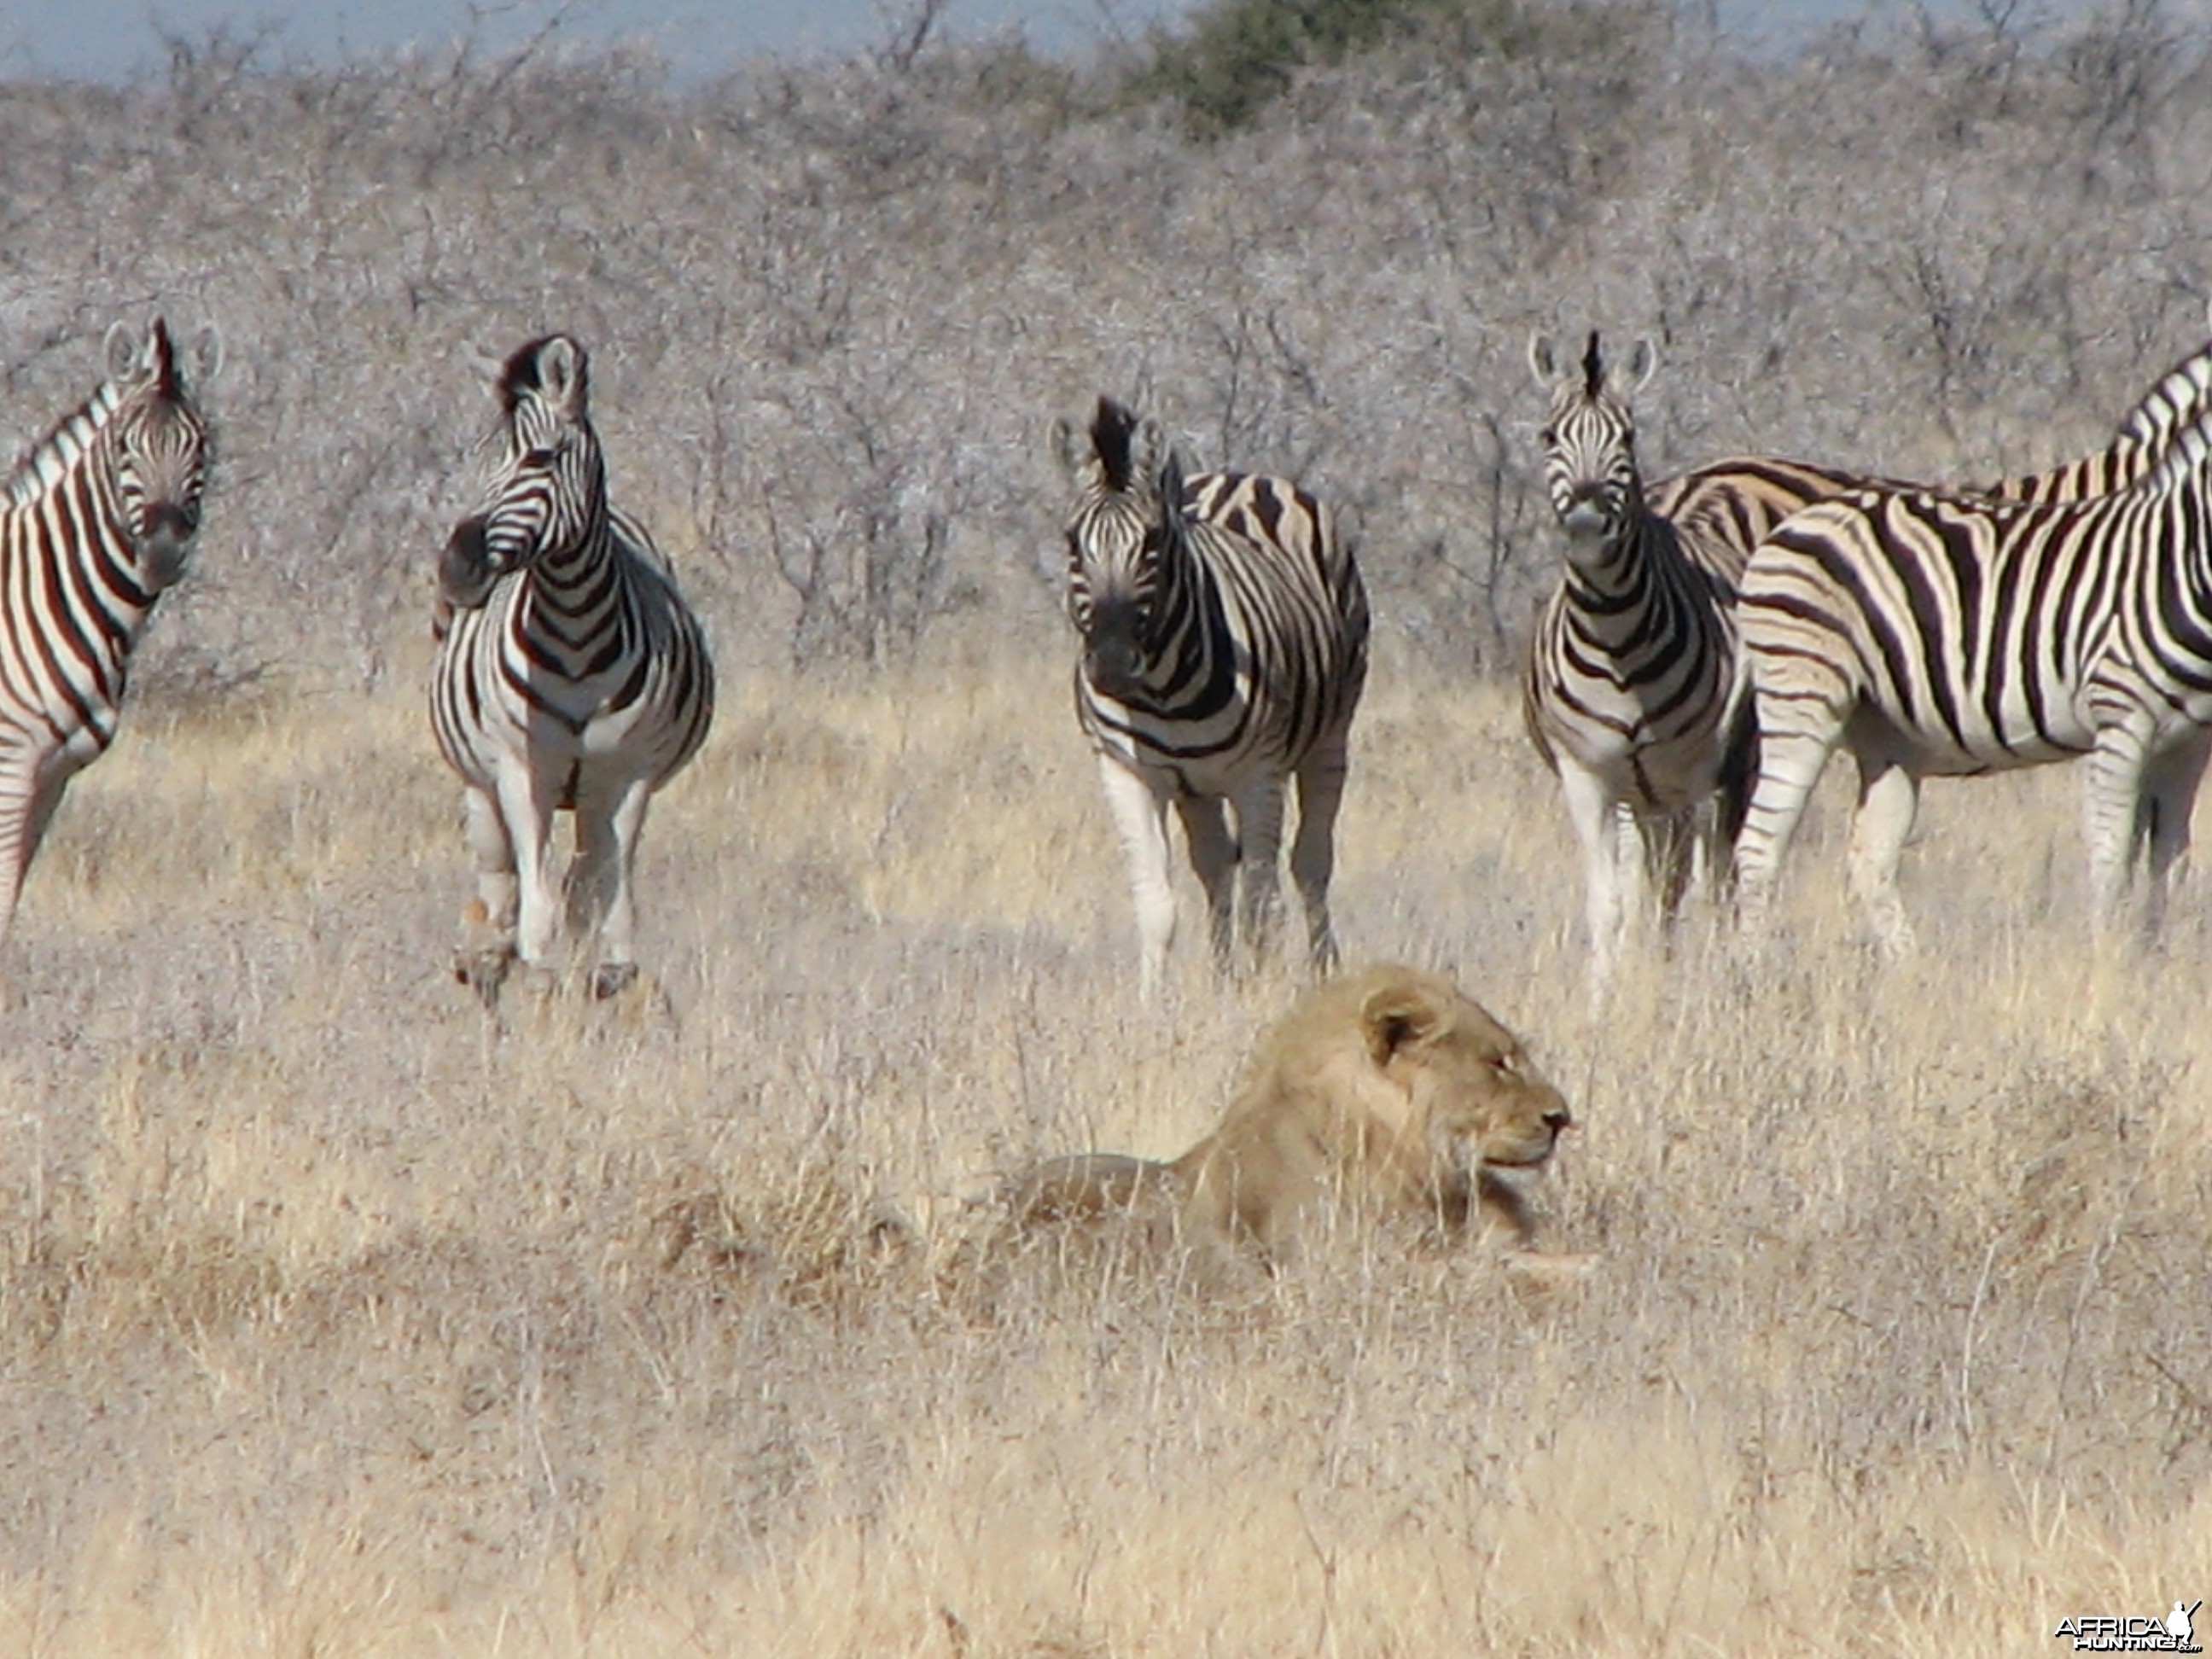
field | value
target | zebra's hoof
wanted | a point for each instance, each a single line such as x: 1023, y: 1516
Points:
x: 483, y: 971
x: 539, y: 983
x: 611, y: 979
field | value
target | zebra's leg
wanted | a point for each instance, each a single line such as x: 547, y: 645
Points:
x: 1790, y: 760
x: 2112, y: 806
x: 1140, y: 815
x: 2169, y: 796
x: 495, y: 862
x: 1259, y: 856
x: 525, y: 807
x: 1607, y: 833
x: 1214, y: 857
x: 28, y: 800
x: 1712, y: 864
x: 488, y: 953
x: 1313, y: 854
x: 1676, y: 859
x: 1889, y: 802
x: 600, y: 892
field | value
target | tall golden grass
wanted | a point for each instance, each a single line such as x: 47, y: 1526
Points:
x: 337, y: 1318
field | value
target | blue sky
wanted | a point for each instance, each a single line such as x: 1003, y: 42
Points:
x: 109, y: 39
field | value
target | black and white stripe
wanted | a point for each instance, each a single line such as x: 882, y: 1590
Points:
x: 1224, y: 648
x: 1630, y: 671
x: 96, y: 521
x: 1631, y: 692
x: 571, y: 676
x: 1723, y: 510
x: 1937, y: 634
x: 2178, y: 399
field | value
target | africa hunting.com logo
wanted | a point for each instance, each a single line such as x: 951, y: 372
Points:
x: 2105, y: 1633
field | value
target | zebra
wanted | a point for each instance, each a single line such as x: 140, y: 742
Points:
x: 1224, y: 648
x: 97, y: 521
x: 1630, y: 691
x: 570, y: 676
x: 1944, y: 634
x: 1630, y: 672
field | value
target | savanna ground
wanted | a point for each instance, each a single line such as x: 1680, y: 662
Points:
x: 336, y: 1317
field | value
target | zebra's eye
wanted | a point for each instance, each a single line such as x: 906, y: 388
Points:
x: 535, y: 460
x: 1549, y: 436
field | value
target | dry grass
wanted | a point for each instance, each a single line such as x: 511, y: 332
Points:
x: 335, y: 1318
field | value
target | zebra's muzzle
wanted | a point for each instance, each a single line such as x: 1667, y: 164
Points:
x: 166, y: 546
x: 1113, y: 648
x: 1114, y: 667
x: 1586, y: 519
x: 465, y: 572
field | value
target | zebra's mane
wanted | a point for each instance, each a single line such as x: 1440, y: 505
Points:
x: 1592, y: 369
x: 631, y: 530
x: 1112, y: 430
x: 47, y: 459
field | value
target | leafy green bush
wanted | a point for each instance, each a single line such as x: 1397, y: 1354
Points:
x: 1236, y: 56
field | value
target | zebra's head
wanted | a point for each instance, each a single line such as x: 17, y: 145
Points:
x: 1129, y: 503
x: 546, y: 494
x: 158, y: 445
x: 1590, y: 442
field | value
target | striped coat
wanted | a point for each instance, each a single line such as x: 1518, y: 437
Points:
x: 1936, y: 634
x: 1224, y: 649
x: 571, y: 677
x: 1630, y: 691
x: 96, y: 522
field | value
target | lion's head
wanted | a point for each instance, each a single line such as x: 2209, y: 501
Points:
x: 1388, y: 1090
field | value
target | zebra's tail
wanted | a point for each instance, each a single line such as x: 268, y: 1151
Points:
x: 1739, y: 774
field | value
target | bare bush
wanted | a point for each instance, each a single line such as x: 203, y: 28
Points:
x: 835, y: 304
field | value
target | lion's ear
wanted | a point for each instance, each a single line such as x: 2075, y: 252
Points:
x: 1396, y: 1015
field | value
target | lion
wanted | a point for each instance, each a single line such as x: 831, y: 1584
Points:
x: 1387, y: 1095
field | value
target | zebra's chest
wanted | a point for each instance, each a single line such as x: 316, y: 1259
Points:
x: 1208, y: 745
x: 590, y: 704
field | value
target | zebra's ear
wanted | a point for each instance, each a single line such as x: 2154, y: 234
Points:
x: 1543, y: 360
x: 562, y: 374
x: 1150, y: 456
x: 206, y: 355
x: 1068, y: 451
x: 1170, y: 477
x: 1643, y: 363
x: 122, y: 352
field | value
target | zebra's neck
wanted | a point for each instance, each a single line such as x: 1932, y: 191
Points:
x: 2190, y: 527
x: 1618, y: 568
x: 2183, y: 468
x: 568, y: 593
x: 2178, y: 401
x: 1190, y: 593
x: 63, y: 448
